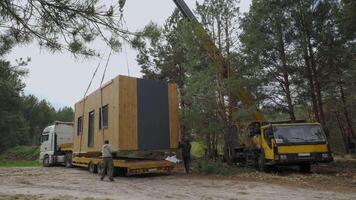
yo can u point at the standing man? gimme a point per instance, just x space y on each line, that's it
186 146
108 165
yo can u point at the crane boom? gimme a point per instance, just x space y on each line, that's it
221 63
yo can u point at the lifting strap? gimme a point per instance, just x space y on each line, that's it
83 111
101 97
124 25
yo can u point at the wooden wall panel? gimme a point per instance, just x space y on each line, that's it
93 103
127 113
174 125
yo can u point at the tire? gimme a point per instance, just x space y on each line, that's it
99 168
46 161
305 168
68 160
93 168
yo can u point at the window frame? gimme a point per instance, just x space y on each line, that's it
91 142
43 137
80 125
105 114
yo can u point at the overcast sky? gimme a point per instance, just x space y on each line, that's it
62 79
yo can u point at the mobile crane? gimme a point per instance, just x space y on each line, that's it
267 143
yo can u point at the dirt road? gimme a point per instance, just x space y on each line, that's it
64 183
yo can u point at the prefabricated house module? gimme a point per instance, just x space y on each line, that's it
132 113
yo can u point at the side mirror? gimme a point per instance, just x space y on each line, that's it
269 132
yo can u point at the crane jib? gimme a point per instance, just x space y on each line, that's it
216 56
185 10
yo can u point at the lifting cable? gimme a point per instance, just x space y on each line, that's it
83 111
101 97
124 24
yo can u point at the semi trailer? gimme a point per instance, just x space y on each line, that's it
57 149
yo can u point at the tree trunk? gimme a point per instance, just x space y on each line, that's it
208 150
317 86
342 131
310 77
283 58
350 131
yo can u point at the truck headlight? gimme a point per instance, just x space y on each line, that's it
325 155
283 157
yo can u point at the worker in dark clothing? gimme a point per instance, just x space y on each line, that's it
108 165
186 146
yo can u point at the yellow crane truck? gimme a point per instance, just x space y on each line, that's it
269 144
266 143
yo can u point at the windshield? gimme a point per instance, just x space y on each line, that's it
298 134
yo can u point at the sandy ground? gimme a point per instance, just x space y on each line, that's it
63 183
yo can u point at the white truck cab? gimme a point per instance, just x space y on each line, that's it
52 138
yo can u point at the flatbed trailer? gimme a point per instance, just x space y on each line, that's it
57 149
125 165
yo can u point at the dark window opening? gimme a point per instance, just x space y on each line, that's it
44 138
103 117
91 129
80 125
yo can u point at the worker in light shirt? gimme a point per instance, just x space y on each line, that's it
108 165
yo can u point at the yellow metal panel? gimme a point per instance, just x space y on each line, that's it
174 126
269 154
127 113
302 148
139 164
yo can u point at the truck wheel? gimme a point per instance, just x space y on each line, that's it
93 168
46 162
68 160
99 168
305 168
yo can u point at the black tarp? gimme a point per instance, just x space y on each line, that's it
152 115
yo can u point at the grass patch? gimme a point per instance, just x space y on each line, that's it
211 167
19 163
23 153
20 156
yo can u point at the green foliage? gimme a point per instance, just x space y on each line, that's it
65 114
23 118
61 25
197 149
13 127
21 153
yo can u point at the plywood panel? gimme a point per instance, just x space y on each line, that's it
104 96
127 113
174 125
